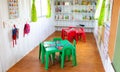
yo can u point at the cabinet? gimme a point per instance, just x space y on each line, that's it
74 13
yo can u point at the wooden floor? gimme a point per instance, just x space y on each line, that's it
88 59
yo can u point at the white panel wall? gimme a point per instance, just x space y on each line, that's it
39 31
1 40
102 50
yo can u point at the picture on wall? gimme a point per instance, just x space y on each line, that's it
13 9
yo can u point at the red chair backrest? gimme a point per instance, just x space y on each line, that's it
71 27
72 33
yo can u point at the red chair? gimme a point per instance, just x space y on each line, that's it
82 34
63 34
72 35
71 27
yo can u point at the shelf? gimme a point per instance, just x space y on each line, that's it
73 5
74 26
75 20
83 20
63 12
74 12
83 12
70 13
63 20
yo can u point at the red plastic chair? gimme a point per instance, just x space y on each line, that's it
72 35
82 34
71 27
63 34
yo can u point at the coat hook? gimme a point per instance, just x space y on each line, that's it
3 24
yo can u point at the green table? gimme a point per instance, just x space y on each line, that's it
51 47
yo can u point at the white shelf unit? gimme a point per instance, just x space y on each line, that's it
67 13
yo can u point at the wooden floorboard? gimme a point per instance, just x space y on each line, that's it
88 59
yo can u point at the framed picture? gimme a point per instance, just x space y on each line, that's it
13 9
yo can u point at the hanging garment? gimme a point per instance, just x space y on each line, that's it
26 29
15 35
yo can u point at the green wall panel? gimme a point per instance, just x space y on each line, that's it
116 58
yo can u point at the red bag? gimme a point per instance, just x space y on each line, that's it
26 29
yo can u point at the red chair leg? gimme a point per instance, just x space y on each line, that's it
84 37
76 38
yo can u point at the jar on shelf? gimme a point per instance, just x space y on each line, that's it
66 3
66 17
93 3
61 17
58 9
57 17
58 2
75 2
61 3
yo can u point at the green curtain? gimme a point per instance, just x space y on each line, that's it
102 15
48 9
33 12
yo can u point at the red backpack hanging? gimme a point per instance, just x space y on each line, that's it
15 35
26 29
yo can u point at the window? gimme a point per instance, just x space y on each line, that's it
44 7
98 10
41 7
38 7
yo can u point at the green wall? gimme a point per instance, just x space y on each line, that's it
116 58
